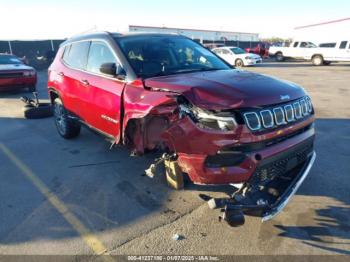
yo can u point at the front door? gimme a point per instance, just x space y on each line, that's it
104 91
343 53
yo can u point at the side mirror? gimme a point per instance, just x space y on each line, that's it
113 69
108 69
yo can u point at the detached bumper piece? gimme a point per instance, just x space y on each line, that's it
270 188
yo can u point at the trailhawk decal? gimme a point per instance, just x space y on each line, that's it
109 119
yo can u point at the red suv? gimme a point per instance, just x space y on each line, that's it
15 74
217 124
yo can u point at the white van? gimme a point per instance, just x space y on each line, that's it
324 54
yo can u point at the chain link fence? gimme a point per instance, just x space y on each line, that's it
38 53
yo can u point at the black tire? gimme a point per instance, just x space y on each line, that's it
32 89
279 57
67 128
239 63
42 111
317 60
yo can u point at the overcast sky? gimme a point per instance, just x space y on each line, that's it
45 19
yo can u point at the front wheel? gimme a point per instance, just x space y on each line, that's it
66 127
317 60
239 63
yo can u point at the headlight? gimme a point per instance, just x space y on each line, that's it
208 120
29 73
308 104
248 58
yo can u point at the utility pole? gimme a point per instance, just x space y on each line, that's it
10 47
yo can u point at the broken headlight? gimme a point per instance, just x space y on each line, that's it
209 120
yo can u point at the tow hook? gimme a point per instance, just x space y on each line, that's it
233 216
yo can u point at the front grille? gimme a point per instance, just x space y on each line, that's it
279 165
272 117
11 75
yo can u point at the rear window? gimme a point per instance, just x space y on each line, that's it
75 55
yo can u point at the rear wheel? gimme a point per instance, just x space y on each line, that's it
66 127
317 60
279 57
239 63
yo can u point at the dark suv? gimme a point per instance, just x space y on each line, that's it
216 124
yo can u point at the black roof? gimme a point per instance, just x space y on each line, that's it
108 35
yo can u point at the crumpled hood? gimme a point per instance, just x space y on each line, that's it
226 89
15 67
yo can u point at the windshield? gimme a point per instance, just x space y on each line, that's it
237 50
165 55
9 60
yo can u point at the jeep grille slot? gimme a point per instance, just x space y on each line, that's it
272 117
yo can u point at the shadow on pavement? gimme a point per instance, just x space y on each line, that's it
329 225
107 191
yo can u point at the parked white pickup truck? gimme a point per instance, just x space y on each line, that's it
310 52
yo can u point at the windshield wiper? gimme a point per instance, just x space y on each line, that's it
182 71
202 69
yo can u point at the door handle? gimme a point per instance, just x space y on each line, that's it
61 74
85 82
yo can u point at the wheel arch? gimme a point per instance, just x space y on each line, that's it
317 54
53 94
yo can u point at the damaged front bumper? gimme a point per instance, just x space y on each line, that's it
279 206
270 188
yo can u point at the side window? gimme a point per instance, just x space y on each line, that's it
303 44
225 52
99 54
296 44
343 44
329 45
217 51
75 55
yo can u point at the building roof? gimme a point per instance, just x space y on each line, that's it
190 29
323 23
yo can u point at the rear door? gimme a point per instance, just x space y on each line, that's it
74 62
103 92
